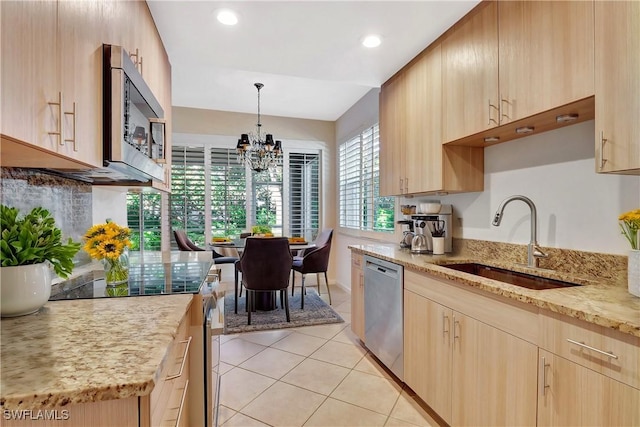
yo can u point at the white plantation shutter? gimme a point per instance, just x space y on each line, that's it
143 219
361 206
304 195
228 193
188 185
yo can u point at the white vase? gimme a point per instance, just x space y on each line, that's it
633 270
24 289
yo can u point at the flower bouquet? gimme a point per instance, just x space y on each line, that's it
630 224
109 242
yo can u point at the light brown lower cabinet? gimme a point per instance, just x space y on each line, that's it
357 295
469 372
571 394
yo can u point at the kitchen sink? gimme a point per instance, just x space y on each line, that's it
525 280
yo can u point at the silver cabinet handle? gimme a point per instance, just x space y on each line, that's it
588 347
406 184
491 119
184 359
542 374
58 133
73 140
401 182
603 140
184 395
455 323
502 115
445 324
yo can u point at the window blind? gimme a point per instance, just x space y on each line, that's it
228 193
361 206
304 189
188 184
144 220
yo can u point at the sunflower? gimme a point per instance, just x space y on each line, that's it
107 241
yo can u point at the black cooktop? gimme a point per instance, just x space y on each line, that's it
144 279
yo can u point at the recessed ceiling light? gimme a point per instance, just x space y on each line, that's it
492 139
371 41
227 17
525 129
564 118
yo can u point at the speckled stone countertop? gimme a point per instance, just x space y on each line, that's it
87 350
602 302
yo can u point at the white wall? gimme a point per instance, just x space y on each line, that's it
577 208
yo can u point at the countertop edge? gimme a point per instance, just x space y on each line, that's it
541 299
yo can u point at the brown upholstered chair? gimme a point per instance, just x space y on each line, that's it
185 244
265 266
314 260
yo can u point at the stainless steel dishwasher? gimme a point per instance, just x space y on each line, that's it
383 319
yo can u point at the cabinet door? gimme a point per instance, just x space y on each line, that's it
30 78
470 74
423 144
427 351
81 37
357 296
546 55
392 137
574 395
617 86
494 376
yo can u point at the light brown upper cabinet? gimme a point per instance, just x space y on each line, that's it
392 136
545 55
470 96
412 158
617 87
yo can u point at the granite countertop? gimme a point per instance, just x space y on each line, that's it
80 351
605 303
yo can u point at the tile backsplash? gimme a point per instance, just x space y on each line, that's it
69 201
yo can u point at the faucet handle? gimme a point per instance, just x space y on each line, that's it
538 253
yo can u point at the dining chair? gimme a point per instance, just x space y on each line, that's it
313 260
265 266
185 244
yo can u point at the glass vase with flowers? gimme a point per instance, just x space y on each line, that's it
109 243
630 226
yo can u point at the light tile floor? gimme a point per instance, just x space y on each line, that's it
311 376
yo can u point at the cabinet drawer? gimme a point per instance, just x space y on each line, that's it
604 350
174 376
510 316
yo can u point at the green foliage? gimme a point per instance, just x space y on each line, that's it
260 229
34 239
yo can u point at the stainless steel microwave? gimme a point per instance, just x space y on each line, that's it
134 128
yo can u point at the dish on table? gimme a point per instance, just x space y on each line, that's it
297 241
221 240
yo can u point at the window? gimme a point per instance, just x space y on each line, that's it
304 188
188 183
361 206
213 195
228 193
143 219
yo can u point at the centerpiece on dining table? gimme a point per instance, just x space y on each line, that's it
109 242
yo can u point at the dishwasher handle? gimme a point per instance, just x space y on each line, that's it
382 269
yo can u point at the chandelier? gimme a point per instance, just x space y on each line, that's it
260 154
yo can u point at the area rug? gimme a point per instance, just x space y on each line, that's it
316 312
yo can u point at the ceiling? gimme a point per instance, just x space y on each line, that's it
308 54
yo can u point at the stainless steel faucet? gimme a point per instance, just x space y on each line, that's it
534 253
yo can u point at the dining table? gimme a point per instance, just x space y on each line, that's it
265 301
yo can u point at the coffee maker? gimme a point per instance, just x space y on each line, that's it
427 224
407 233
